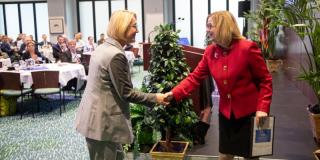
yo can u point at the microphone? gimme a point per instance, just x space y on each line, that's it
149 34
177 21
180 19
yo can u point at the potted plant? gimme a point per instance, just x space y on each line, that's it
267 20
167 68
301 17
145 132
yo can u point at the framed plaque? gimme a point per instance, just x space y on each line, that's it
56 25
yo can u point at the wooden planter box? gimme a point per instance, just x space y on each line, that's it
180 149
317 154
315 124
274 65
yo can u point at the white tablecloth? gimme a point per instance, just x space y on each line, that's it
67 71
5 62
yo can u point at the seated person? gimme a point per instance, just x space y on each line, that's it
60 47
72 54
102 39
32 53
5 46
44 41
3 55
90 46
23 47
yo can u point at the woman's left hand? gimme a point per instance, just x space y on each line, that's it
260 114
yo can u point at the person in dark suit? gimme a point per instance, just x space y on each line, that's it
59 48
44 41
243 80
23 47
5 46
103 116
102 39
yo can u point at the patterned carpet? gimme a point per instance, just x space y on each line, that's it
48 136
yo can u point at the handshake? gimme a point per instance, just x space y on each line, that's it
165 98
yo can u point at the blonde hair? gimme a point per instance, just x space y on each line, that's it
227 28
119 23
31 42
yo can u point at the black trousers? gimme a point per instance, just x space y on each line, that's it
234 135
104 150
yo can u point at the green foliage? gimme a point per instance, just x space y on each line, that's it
144 128
167 69
266 21
301 17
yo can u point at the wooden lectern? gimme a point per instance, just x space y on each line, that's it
146 55
201 96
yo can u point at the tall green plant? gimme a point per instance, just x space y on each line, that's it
302 18
167 68
266 21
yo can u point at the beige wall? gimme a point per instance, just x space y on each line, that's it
153 15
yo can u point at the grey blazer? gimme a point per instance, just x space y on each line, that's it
103 113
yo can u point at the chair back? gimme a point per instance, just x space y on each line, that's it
10 80
45 79
135 52
86 59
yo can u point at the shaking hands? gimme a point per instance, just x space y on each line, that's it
164 99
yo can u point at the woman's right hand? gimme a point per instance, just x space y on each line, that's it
161 99
168 96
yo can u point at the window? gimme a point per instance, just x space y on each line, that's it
233 8
2 29
22 17
27 19
182 18
102 17
218 5
42 20
86 22
117 4
135 6
200 13
12 19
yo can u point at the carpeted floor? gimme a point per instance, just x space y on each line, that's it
48 136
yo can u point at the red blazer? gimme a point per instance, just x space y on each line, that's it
241 75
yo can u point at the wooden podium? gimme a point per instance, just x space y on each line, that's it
201 96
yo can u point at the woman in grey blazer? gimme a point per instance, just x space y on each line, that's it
103 116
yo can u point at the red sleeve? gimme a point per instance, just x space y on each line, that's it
262 76
193 80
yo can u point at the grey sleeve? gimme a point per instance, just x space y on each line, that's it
121 79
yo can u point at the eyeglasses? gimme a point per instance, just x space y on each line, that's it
134 26
209 26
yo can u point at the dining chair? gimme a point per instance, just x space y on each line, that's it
85 62
47 83
11 86
137 58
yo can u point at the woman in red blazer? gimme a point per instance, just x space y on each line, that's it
244 83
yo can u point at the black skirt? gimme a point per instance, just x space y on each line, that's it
234 135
